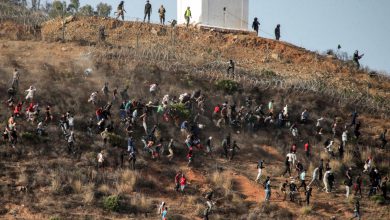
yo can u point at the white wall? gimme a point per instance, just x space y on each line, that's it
210 12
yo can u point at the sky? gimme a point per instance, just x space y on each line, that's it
317 25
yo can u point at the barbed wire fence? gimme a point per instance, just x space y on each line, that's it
177 61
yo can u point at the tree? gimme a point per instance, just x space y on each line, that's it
103 9
57 9
86 10
74 6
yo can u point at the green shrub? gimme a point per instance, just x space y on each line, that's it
378 199
30 137
115 140
228 86
111 203
306 210
180 110
55 218
268 73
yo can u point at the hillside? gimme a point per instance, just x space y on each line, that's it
60 185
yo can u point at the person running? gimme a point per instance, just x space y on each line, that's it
225 146
105 136
267 189
147 11
260 168
30 93
177 181
383 187
256 25
356 58
187 16
183 183
382 138
283 189
170 150
100 160
277 32
164 214
293 191
161 12
233 150
326 181
348 182
120 11
358 185
287 167
308 195
356 211
302 177
231 67
71 140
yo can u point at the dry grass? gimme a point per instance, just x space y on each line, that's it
365 153
89 194
324 155
336 165
128 181
141 202
105 189
23 179
306 210
77 186
348 158
55 185
222 179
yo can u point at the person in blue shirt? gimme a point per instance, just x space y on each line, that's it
164 214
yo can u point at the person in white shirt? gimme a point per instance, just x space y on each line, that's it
71 122
153 89
93 97
344 137
319 125
315 176
292 158
325 180
15 78
285 111
100 159
30 93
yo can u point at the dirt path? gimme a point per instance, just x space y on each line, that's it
250 189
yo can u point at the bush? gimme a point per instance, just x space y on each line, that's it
306 210
115 140
268 73
30 137
378 199
180 110
111 203
228 86
54 218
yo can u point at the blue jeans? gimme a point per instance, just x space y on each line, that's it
267 195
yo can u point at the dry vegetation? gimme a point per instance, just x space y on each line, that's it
70 187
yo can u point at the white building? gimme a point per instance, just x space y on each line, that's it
231 14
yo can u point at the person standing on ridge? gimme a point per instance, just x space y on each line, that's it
120 11
231 67
187 16
277 32
148 10
161 12
256 25
356 58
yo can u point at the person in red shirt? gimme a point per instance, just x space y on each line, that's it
177 181
307 149
293 148
189 156
217 109
183 183
99 114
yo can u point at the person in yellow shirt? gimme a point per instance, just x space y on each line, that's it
187 15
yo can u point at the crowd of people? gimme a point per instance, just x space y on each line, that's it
142 120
